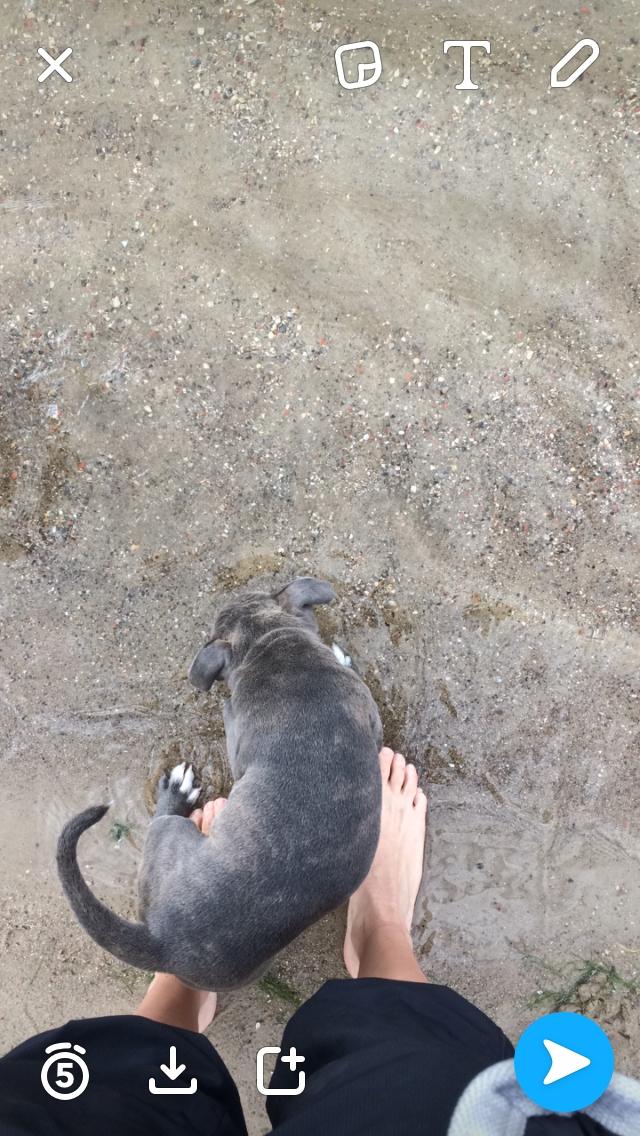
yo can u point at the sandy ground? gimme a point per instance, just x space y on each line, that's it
253 326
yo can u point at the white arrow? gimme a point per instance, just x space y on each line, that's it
564 1061
172 1070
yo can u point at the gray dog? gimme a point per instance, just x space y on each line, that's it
302 823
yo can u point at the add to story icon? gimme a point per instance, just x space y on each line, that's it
172 1071
369 71
292 1060
65 1075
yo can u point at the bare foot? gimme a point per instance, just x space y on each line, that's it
388 895
204 818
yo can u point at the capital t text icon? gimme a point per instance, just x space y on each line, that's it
369 71
467 83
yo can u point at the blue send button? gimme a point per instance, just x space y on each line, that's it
564 1062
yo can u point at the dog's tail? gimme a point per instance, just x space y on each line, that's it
130 942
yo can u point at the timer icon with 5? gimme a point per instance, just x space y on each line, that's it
64 1074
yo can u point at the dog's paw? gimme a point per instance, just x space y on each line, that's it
341 656
177 793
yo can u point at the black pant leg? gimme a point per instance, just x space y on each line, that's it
121 1054
382 1057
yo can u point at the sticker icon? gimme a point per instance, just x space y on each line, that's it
564 1062
59 1074
368 73
292 1061
172 1071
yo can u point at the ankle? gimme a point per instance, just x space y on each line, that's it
374 917
386 951
171 1002
374 913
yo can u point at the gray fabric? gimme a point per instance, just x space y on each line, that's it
495 1105
619 1108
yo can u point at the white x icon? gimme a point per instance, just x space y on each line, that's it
55 65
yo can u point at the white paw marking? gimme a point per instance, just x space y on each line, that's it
182 779
344 660
177 774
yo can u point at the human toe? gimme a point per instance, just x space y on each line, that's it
212 809
386 757
396 775
420 800
410 783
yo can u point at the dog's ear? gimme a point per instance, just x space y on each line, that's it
304 592
209 664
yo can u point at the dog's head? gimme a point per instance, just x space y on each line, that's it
245 619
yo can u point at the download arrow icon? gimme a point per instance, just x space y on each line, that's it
173 1071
